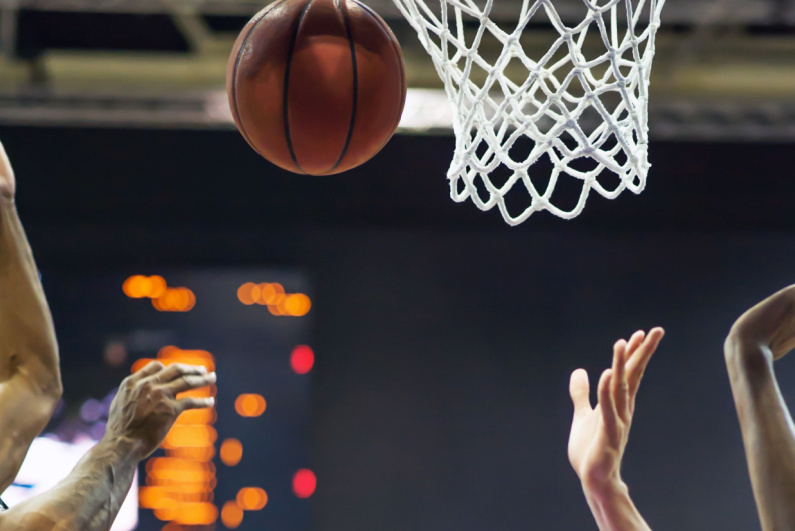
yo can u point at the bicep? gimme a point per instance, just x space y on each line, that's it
23 415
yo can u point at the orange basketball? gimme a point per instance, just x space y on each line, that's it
316 86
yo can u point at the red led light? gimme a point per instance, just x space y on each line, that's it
304 483
302 359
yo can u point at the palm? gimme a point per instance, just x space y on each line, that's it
589 443
599 434
7 181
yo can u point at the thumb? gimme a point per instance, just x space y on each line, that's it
579 389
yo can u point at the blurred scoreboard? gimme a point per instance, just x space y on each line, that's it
243 464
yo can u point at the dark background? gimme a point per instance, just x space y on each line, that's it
444 338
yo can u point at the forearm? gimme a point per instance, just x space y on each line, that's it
767 431
613 509
28 346
87 500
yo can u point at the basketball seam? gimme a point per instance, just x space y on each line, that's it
349 32
242 128
398 54
285 102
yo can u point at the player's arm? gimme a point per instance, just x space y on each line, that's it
143 411
760 336
30 381
599 435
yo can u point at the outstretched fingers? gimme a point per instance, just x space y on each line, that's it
618 382
636 364
176 378
150 369
634 342
608 407
189 382
190 402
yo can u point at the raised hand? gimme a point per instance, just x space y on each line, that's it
599 435
770 325
7 182
765 333
146 406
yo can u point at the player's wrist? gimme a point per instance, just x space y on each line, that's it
744 351
605 487
123 447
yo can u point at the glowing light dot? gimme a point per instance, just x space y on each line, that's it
231 452
245 293
271 293
250 405
231 515
252 498
175 300
157 287
302 359
304 483
132 287
297 305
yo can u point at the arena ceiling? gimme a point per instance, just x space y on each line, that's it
724 69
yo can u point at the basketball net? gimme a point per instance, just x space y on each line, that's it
579 109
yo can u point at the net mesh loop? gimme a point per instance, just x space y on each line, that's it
579 111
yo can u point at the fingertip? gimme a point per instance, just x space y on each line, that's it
577 374
578 382
604 387
605 378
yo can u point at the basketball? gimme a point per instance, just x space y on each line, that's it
316 86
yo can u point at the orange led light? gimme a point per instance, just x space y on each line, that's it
252 498
171 354
135 287
198 453
155 497
271 293
231 452
297 305
197 513
175 300
250 405
190 436
231 515
197 416
245 293
166 513
139 286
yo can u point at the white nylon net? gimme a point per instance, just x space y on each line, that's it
578 111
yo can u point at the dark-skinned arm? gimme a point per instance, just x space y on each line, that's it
760 336
30 381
